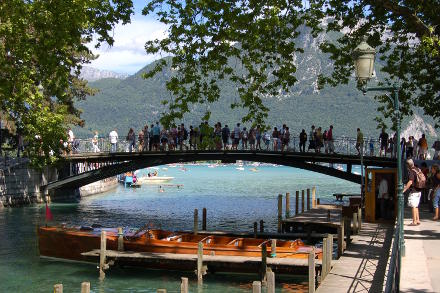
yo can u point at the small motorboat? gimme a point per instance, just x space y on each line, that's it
154 179
240 168
71 242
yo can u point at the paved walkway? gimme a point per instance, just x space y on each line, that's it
362 266
421 264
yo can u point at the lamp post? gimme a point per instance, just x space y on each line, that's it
364 56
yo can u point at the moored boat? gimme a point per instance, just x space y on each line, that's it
154 179
70 243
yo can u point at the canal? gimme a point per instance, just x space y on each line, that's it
234 199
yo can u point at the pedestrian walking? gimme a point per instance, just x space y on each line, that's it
95 143
359 141
113 137
330 141
302 141
225 136
131 139
312 135
416 182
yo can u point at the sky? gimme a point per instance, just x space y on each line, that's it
128 55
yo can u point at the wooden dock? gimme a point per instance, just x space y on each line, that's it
363 265
322 219
188 262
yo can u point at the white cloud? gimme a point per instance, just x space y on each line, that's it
128 55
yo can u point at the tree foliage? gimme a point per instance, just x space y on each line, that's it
208 39
42 50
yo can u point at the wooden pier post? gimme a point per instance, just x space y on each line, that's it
313 197
359 219
204 219
184 285
308 199
296 202
355 226
347 230
312 271
318 201
280 211
287 205
273 248
341 237
200 263
58 288
196 221
102 255
329 252
270 282
120 239
302 201
324 259
256 287
255 229
85 287
261 226
263 262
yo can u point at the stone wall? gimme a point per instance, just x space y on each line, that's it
20 184
98 187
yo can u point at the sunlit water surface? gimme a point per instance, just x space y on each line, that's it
234 200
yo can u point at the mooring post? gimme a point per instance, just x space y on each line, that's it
329 252
256 287
273 248
324 259
102 255
296 202
184 285
313 197
261 226
58 288
359 219
341 237
318 201
312 271
204 219
263 262
255 229
196 221
308 199
287 205
200 263
302 200
120 239
355 226
347 230
85 287
280 212
270 282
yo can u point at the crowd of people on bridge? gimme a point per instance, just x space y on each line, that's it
221 137
155 137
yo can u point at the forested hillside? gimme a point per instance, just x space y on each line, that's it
135 101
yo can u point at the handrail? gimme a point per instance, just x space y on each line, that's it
393 275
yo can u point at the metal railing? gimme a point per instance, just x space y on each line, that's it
342 145
393 275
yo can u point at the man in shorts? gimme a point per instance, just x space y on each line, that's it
414 192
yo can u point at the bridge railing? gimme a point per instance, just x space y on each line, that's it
342 145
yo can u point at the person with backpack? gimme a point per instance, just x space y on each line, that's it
416 182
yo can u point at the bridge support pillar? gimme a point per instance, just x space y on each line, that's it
65 195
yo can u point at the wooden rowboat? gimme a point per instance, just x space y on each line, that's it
70 243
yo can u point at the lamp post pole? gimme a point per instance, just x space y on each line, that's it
400 213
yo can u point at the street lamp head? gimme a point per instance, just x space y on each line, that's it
364 56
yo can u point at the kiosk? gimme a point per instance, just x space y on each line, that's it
380 194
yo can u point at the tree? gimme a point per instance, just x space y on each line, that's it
208 39
42 50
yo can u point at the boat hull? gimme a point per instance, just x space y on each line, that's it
71 243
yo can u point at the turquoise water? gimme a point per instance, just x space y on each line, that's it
234 200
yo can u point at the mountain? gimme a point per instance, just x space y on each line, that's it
93 74
134 101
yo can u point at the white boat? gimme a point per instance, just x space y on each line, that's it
240 168
153 179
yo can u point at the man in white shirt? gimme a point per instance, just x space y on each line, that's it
113 137
383 197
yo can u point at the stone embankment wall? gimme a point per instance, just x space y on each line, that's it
98 187
20 185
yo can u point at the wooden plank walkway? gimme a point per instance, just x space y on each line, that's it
218 263
323 215
363 265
